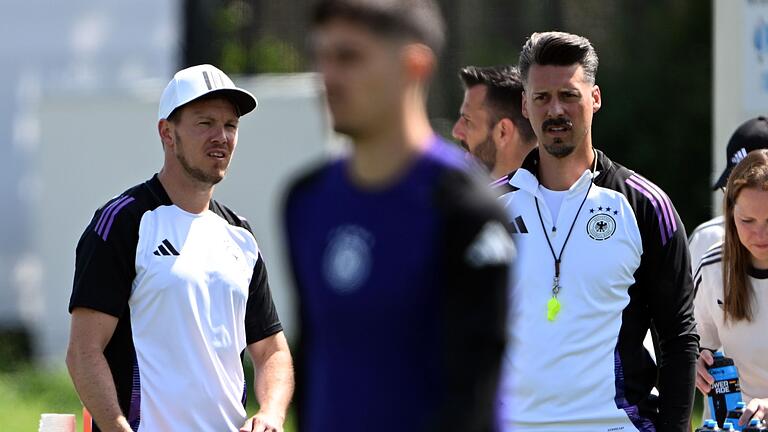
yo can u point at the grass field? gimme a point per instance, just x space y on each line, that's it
27 392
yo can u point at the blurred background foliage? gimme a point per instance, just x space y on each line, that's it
655 69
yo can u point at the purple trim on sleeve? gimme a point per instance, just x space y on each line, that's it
663 199
134 410
105 214
641 423
661 204
112 216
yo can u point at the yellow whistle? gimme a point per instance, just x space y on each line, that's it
553 308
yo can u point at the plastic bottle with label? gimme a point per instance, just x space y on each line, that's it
725 393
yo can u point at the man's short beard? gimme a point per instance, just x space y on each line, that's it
195 173
559 148
485 152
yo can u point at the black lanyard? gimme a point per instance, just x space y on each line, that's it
553 305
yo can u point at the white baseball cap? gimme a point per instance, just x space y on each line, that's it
197 81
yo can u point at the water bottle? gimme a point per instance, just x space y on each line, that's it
756 425
726 391
734 415
708 425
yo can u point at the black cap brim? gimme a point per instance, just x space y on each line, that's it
723 180
242 99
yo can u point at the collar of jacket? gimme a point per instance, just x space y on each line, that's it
526 178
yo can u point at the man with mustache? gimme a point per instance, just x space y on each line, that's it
602 257
491 125
171 288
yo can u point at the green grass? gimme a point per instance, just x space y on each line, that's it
697 409
27 392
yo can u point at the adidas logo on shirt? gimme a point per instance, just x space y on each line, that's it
166 248
517 226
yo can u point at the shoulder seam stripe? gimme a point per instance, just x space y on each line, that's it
717 256
697 282
106 212
631 182
667 229
116 210
663 199
705 263
712 252
711 260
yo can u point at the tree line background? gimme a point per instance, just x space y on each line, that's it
655 69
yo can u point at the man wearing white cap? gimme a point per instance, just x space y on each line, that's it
170 286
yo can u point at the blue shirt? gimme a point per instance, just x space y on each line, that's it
383 308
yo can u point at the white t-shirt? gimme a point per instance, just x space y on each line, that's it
190 292
704 237
553 200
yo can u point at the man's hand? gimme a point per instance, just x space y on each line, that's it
703 379
262 422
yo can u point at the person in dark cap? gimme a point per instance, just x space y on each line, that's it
751 135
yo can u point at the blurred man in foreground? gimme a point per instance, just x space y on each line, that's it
400 255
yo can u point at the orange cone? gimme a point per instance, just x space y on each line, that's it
87 423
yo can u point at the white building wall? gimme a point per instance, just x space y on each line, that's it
49 45
740 73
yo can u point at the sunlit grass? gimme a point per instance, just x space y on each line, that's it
27 392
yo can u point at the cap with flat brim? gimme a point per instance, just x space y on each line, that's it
751 135
723 180
203 80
